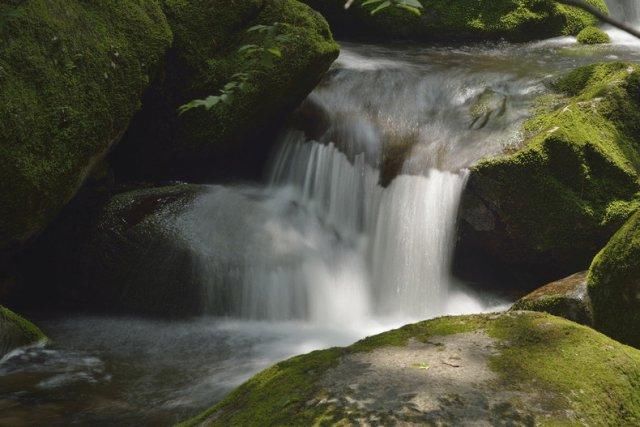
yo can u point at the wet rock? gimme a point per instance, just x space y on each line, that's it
566 298
487 104
16 332
126 256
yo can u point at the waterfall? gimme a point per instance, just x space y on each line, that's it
625 10
357 218
325 242
412 243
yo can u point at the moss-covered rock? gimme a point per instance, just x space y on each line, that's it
519 368
614 285
516 20
16 331
127 257
548 208
232 136
566 298
72 74
593 35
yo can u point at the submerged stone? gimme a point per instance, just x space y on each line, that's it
516 368
566 298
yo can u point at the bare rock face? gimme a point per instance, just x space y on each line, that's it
446 379
566 298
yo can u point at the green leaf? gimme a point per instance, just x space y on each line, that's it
275 52
258 28
411 3
411 9
382 6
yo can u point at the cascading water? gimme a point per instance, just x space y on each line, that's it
358 219
350 235
627 11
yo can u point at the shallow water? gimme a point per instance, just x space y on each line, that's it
331 271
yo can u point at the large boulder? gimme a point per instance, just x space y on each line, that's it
614 285
233 137
516 20
125 256
16 332
547 209
518 368
566 298
72 73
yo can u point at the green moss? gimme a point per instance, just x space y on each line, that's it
275 394
559 198
15 331
517 20
614 285
71 77
593 35
440 327
278 86
593 378
203 59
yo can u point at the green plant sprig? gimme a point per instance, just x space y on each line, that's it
257 56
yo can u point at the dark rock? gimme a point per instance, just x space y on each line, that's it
566 298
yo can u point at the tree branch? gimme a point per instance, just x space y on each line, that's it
581 4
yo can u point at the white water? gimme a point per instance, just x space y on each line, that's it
323 241
627 11
326 243
319 242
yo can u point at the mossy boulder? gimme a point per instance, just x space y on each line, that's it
516 20
72 74
128 256
16 332
518 368
593 35
545 210
566 298
614 285
235 136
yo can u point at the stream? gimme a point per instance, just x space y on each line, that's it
320 253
